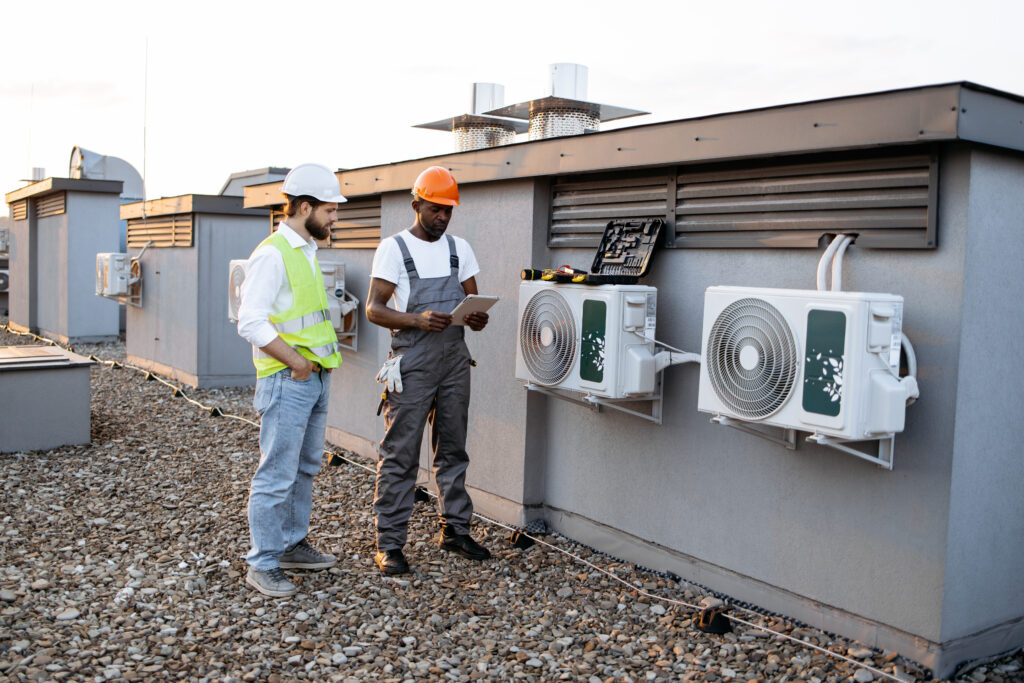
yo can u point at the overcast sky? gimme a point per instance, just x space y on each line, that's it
243 85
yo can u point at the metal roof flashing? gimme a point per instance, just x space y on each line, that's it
925 114
52 185
189 203
38 357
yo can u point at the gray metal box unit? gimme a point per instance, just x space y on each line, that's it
44 398
58 226
181 330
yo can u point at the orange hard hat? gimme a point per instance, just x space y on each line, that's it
437 185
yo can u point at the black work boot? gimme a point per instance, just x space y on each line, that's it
461 544
391 562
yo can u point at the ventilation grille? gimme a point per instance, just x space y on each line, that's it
752 359
19 210
547 337
888 199
162 231
558 122
358 224
50 205
479 136
581 208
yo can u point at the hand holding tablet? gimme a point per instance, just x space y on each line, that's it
473 303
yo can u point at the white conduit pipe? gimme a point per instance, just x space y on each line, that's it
837 264
826 258
908 349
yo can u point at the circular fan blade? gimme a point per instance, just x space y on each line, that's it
547 337
752 358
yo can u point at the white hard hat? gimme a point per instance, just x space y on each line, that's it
313 180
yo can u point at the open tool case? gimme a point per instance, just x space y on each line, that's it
623 257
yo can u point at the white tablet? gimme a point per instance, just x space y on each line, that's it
473 303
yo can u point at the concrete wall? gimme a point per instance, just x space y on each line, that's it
182 328
63 269
985 553
93 227
223 358
815 522
164 328
496 219
906 559
21 261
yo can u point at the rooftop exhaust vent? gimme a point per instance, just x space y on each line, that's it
89 165
564 109
477 130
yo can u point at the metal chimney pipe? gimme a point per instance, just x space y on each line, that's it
487 96
567 80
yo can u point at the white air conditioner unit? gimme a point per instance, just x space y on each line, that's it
596 340
236 275
5 240
5 280
816 361
113 272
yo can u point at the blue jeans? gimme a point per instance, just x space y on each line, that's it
294 418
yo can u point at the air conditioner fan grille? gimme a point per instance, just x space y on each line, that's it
752 358
547 337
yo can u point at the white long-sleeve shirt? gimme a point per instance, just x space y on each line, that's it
265 290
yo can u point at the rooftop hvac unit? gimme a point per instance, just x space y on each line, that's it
596 340
113 274
5 280
341 305
5 240
817 361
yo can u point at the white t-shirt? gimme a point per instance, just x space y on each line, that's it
431 259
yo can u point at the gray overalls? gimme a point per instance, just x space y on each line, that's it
435 386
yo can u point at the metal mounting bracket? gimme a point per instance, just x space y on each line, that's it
596 403
886 448
788 438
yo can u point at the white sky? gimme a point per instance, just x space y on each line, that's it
234 86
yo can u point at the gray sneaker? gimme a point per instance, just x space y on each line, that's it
271 582
303 556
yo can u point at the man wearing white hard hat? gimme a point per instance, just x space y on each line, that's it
284 315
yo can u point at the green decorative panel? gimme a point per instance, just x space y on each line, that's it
824 362
592 340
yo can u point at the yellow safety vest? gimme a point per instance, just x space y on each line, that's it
306 326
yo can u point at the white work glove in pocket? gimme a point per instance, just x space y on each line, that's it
391 374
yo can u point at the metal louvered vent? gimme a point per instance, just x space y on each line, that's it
752 358
482 136
561 121
547 337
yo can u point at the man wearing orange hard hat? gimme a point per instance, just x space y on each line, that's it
424 272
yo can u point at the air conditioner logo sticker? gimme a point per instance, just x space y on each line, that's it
592 341
824 361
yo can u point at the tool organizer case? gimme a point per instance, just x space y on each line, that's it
624 255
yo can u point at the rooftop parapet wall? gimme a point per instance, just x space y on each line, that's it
948 112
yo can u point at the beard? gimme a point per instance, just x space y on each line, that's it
318 230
